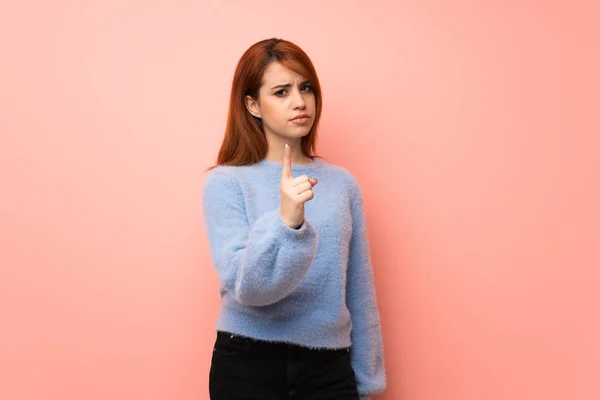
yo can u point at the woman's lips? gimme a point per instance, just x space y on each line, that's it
300 121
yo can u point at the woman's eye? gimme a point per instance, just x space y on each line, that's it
306 88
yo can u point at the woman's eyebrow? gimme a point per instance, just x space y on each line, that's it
287 85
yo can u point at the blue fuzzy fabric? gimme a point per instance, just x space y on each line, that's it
311 286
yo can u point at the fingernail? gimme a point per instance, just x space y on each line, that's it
287 145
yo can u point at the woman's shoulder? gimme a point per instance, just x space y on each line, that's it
220 178
217 173
236 178
341 173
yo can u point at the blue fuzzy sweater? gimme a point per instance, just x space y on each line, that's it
311 286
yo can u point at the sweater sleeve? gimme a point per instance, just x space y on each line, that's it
367 342
261 263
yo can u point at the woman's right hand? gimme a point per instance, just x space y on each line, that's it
294 192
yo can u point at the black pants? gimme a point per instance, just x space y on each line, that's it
249 369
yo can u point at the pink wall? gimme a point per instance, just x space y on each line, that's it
472 128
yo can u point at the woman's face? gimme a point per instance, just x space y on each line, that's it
283 96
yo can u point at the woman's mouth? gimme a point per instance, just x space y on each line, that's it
301 120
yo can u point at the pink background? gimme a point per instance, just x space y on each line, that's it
473 130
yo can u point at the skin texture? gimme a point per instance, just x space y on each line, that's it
294 192
276 106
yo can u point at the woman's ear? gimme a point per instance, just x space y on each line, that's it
252 106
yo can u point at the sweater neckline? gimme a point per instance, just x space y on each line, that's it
275 165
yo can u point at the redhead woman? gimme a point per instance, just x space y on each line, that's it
288 241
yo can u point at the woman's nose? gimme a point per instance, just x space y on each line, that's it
298 99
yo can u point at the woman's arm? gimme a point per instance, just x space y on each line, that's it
367 342
258 264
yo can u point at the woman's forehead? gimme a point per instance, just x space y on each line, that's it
277 74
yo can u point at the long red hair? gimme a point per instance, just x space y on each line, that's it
244 142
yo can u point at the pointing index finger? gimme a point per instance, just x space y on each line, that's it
286 172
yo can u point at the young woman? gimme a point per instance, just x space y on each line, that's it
287 234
